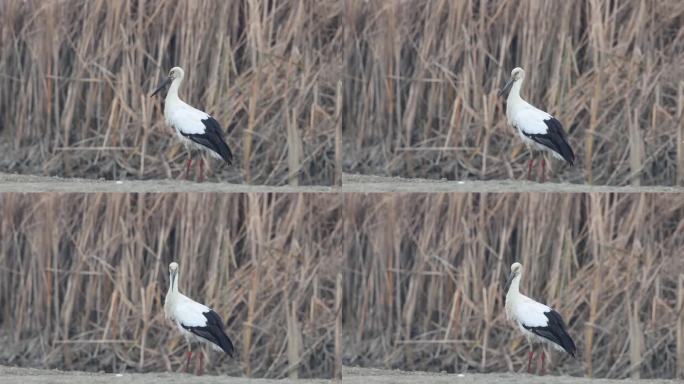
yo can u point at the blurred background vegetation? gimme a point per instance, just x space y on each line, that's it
83 280
424 280
422 77
75 79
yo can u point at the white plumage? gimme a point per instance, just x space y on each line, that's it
538 322
195 128
186 120
195 321
538 129
186 312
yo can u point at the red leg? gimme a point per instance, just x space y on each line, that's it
201 365
187 363
529 360
543 166
529 168
542 362
187 167
201 165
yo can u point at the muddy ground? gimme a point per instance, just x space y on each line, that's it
351 183
373 376
12 375
29 183
368 183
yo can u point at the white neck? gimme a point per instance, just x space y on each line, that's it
172 95
514 289
173 286
514 94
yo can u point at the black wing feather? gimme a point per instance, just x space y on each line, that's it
214 332
555 331
212 138
554 138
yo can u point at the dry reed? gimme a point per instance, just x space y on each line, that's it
424 280
75 78
83 279
422 76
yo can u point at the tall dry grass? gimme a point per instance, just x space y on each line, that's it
75 79
422 76
83 279
424 280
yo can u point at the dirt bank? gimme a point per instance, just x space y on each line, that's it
29 183
368 183
351 183
12 375
372 376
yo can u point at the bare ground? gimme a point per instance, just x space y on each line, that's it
369 183
11 375
372 376
351 183
30 183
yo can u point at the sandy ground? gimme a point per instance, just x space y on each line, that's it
12 375
29 183
368 183
351 183
372 376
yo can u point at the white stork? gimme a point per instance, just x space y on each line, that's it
195 128
538 322
196 321
539 130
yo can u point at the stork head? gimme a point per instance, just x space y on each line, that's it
177 73
174 73
516 74
516 270
173 272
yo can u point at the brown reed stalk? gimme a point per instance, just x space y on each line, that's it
84 279
337 373
680 328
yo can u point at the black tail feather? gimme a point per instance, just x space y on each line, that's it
212 138
555 331
555 140
213 332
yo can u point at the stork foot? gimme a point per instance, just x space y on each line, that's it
543 170
201 170
542 362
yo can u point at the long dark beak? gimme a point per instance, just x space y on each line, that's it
509 281
161 86
506 87
173 278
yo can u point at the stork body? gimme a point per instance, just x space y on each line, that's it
196 129
538 322
540 131
196 321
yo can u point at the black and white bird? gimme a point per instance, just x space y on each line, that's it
539 130
196 321
538 322
195 128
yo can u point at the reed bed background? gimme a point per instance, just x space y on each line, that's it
83 280
75 79
422 77
424 280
